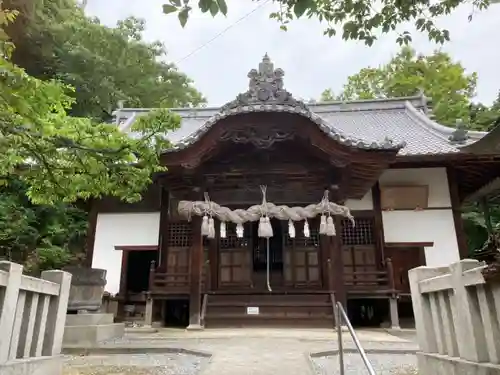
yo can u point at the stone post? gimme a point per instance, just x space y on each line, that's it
56 318
148 316
422 309
467 316
9 305
394 312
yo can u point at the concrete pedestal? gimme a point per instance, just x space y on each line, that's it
89 329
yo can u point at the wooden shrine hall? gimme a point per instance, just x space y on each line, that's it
401 176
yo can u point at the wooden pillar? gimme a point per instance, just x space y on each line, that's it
213 259
457 212
326 263
91 229
378 223
164 227
338 264
196 269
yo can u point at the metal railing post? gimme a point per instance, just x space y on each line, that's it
339 338
342 316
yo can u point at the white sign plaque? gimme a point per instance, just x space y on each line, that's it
252 311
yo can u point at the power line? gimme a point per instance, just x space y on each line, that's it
223 31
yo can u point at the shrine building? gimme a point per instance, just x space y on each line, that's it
403 177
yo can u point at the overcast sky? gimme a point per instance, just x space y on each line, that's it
312 62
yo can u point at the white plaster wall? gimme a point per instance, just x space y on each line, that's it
365 203
428 225
435 178
121 229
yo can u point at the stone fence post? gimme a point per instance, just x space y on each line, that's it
457 317
32 318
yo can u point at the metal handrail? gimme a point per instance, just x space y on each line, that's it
342 316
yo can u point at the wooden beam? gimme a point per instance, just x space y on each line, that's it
164 228
408 244
91 230
378 223
457 213
136 247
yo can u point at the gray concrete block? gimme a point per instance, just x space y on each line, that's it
89 335
88 319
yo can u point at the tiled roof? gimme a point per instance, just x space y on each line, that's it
400 123
400 120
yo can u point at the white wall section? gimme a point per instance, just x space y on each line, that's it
431 225
124 229
365 203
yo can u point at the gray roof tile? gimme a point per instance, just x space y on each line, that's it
400 123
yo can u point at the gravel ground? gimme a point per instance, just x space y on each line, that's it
135 364
383 364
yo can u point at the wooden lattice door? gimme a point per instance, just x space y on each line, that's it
301 266
359 252
180 241
235 258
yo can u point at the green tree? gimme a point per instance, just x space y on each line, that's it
49 159
442 79
105 64
357 20
61 157
42 237
484 117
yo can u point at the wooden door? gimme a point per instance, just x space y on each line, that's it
403 260
301 261
235 259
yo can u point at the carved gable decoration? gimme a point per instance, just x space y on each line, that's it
265 88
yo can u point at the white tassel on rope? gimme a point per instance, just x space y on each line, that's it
291 229
330 227
307 232
265 229
211 228
223 233
322 225
204 226
205 222
239 230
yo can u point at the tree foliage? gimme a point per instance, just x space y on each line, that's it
42 237
437 75
105 65
361 20
57 88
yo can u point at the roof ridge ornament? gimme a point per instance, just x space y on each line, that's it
266 86
460 135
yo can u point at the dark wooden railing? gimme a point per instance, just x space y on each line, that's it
174 282
378 281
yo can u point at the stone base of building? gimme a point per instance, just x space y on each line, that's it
89 329
432 364
33 366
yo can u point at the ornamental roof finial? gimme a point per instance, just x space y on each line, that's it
265 86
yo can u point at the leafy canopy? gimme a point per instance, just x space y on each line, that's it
71 158
357 20
64 158
56 40
437 75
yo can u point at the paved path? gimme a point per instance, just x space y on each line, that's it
263 351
